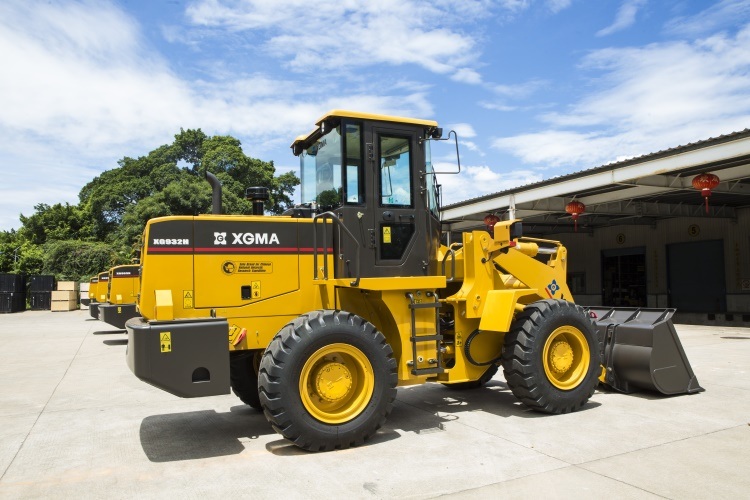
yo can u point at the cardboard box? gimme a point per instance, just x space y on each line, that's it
64 305
67 285
84 286
66 295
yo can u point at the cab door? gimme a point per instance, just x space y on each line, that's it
384 205
401 242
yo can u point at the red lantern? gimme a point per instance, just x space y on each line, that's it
575 208
705 182
490 220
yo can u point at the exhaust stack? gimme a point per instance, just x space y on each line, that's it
216 193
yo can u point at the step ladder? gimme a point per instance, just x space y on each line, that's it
416 339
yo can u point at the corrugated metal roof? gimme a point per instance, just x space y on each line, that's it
692 146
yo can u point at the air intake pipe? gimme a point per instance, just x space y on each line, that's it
258 195
216 193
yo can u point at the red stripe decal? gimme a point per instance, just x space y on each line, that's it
238 250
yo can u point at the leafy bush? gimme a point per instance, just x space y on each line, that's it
73 260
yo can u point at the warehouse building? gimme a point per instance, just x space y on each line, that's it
644 234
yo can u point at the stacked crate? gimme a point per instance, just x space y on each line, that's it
84 292
12 293
65 298
40 292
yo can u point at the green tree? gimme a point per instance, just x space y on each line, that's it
55 222
30 259
9 252
104 228
79 260
170 181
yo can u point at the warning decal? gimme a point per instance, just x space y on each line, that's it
255 267
187 299
386 234
255 287
165 341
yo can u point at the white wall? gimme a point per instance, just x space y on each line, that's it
584 254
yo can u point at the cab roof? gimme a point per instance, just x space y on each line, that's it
342 113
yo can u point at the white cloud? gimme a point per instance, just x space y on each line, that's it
651 98
345 34
625 17
467 75
515 5
80 87
717 17
471 146
519 90
479 180
497 106
510 95
557 5
464 130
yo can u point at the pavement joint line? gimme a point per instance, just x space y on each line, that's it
15 455
731 387
458 421
568 464
546 472
664 444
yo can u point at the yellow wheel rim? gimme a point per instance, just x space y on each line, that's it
566 357
336 383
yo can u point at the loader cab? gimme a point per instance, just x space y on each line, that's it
374 174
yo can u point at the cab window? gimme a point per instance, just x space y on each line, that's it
321 171
395 172
354 176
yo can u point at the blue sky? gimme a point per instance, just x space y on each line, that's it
534 88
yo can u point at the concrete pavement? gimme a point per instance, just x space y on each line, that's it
75 423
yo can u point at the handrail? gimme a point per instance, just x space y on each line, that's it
337 221
452 253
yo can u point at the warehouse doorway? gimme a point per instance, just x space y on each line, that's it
624 277
695 274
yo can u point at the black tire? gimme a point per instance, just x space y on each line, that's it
243 377
540 370
474 384
332 413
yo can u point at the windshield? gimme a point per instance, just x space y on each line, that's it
320 168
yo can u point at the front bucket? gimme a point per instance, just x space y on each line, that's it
641 350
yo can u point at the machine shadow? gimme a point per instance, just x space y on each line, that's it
109 332
420 409
115 342
193 435
440 404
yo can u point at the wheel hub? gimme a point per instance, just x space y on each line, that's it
560 356
333 381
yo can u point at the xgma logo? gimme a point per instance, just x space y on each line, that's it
247 238
254 239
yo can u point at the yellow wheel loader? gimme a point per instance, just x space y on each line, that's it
91 294
122 291
315 317
98 293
